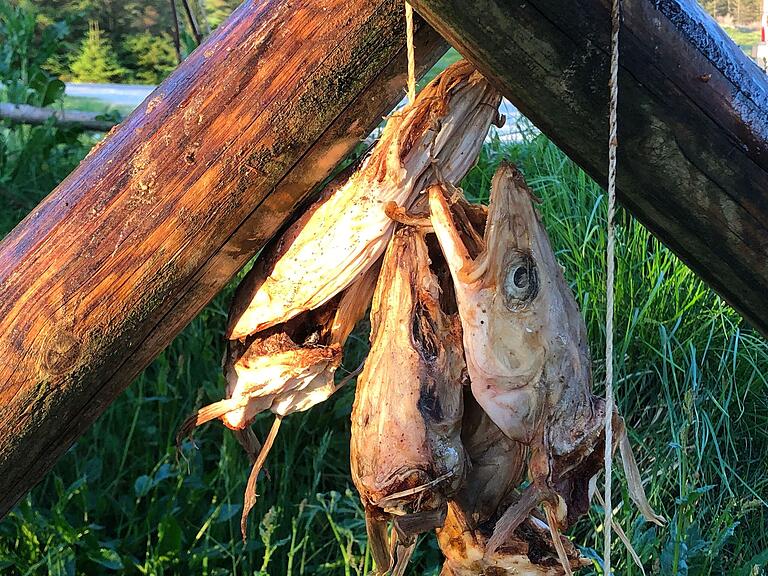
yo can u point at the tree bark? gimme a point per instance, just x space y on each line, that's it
693 118
25 114
101 276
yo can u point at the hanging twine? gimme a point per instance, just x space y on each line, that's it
613 145
411 54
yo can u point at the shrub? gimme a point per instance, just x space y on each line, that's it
33 159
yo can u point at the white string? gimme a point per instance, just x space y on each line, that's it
411 54
613 145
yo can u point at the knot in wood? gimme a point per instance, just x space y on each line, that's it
60 353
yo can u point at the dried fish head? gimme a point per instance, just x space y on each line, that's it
406 452
285 369
524 338
438 136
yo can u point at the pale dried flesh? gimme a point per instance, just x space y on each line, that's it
287 368
406 453
526 351
437 137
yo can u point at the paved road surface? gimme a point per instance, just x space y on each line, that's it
118 94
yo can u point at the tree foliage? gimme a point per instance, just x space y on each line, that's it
96 61
740 11
149 57
138 30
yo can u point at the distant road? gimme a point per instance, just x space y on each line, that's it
118 94
134 94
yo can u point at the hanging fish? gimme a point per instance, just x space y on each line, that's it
498 466
287 368
527 357
440 134
406 453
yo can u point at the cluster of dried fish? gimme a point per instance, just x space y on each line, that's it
478 377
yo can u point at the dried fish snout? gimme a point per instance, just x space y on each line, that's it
406 452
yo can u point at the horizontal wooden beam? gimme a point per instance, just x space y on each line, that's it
693 118
101 276
25 114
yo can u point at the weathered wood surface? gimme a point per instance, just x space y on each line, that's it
101 276
693 118
25 114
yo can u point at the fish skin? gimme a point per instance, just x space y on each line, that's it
406 452
438 136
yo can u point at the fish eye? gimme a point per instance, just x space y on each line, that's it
521 281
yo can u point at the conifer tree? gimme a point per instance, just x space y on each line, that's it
96 61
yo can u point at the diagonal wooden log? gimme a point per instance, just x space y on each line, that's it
100 277
693 118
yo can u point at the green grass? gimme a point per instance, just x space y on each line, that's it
691 383
744 37
450 57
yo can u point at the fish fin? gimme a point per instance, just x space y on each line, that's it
513 517
355 300
549 510
249 498
403 546
400 215
205 414
634 482
474 271
378 542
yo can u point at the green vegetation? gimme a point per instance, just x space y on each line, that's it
96 62
132 42
33 159
737 11
150 56
744 37
690 382
94 105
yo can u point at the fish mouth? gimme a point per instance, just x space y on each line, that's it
410 491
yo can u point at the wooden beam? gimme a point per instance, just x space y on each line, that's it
25 114
101 276
693 118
